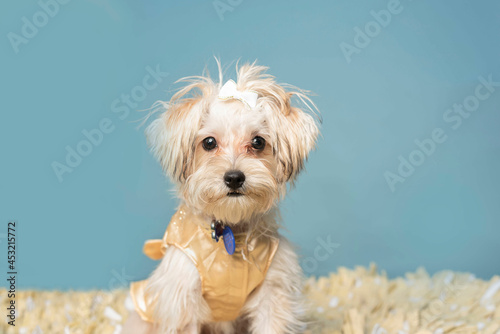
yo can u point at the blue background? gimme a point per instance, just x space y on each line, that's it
88 231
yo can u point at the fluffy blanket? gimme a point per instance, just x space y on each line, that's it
349 301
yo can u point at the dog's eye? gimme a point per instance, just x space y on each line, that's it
209 143
258 143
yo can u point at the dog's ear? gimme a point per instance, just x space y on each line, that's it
172 136
296 136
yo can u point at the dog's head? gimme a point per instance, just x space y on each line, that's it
232 159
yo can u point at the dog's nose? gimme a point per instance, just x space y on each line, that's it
234 179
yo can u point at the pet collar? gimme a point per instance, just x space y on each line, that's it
229 92
219 230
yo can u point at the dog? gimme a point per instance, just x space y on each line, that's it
232 149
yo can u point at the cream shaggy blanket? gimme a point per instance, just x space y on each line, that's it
350 302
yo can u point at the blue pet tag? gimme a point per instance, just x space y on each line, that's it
228 237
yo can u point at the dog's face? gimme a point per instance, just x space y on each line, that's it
234 172
230 161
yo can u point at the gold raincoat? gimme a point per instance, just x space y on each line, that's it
226 280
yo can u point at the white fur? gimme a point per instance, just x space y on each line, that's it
193 114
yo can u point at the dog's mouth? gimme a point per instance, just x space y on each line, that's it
234 194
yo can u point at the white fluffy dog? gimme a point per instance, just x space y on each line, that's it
231 149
